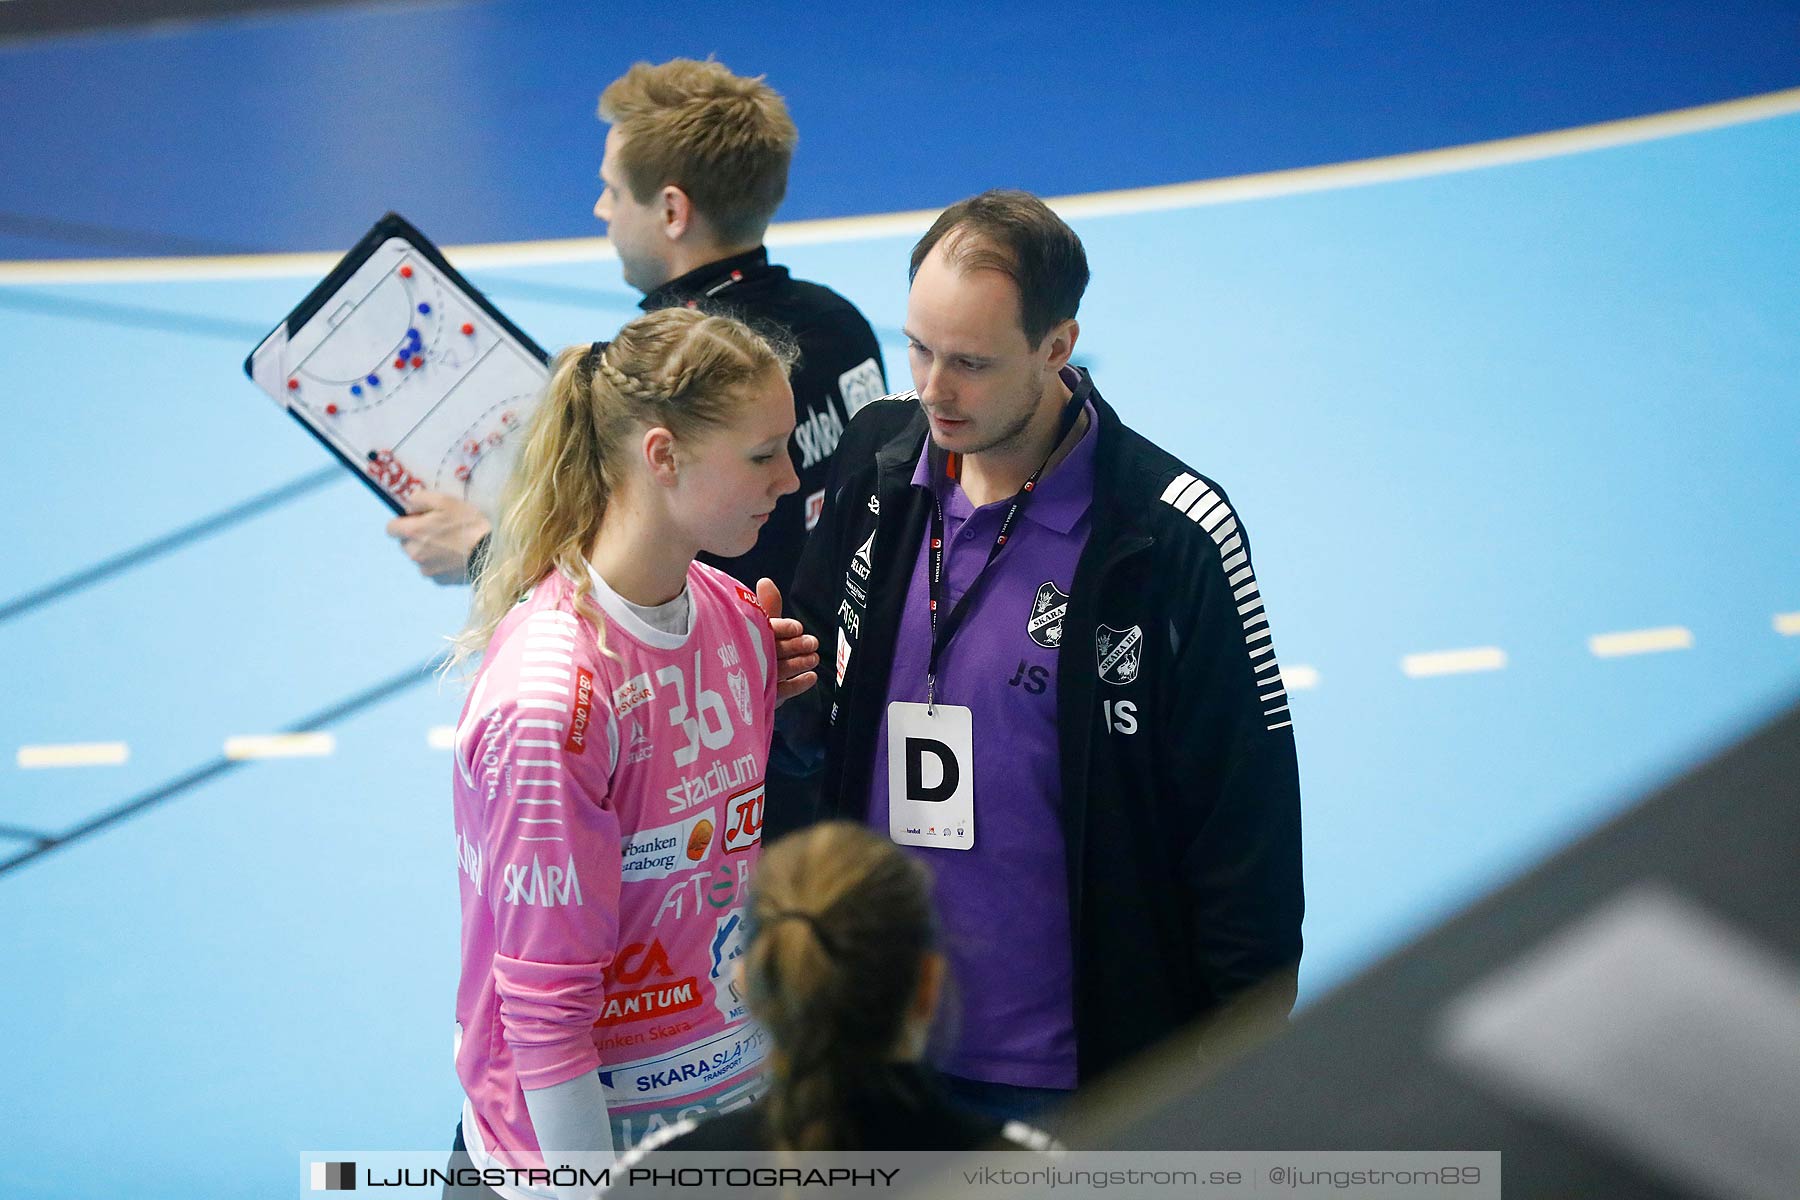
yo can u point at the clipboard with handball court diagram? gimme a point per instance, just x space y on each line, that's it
405 372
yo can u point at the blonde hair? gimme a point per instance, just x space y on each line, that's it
839 924
677 368
724 139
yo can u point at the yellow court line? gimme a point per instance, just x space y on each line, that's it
1640 641
1788 624
1360 173
441 737
1299 679
74 754
1453 662
279 745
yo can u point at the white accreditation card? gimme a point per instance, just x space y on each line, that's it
931 776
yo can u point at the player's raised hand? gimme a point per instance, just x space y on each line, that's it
439 532
796 651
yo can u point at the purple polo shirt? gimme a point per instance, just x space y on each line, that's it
1004 906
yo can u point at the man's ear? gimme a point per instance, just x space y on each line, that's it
677 211
1062 343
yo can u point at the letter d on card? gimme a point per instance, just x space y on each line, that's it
931 776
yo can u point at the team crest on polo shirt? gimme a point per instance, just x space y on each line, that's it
1045 624
1118 652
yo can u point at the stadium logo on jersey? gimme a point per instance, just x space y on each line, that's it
659 853
861 385
815 508
1046 622
740 694
1118 651
719 778
818 435
864 562
727 948
540 886
633 692
584 711
744 819
723 887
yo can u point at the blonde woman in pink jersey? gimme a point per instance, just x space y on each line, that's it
610 756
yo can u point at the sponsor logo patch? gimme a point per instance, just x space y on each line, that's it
1117 652
864 561
843 663
749 597
860 385
744 819
739 683
815 508
659 853
576 742
1045 625
727 948
723 887
633 692
691 1069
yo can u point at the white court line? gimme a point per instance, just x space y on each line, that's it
74 754
441 737
1387 169
1299 679
1788 624
1454 662
279 745
1640 641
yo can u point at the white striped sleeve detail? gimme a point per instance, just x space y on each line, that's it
1224 531
1176 487
1193 496
1235 561
1231 546
1252 638
1211 521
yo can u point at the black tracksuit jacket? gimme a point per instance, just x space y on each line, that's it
1180 790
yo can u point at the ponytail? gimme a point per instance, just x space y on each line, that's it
839 926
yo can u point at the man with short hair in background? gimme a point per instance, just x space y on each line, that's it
695 165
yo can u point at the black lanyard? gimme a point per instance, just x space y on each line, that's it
942 633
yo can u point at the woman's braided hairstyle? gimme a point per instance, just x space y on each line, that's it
679 368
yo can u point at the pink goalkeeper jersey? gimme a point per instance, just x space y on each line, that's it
608 811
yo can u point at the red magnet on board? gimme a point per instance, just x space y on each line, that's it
406 272
331 410
462 472
418 360
293 385
399 363
468 329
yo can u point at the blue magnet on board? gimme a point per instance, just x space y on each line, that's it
424 309
374 381
356 389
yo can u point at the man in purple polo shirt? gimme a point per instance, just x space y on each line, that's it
1047 668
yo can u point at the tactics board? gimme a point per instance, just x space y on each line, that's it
405 372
